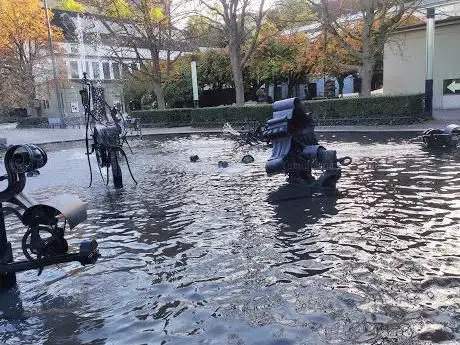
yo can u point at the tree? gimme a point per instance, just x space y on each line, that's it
332 59
23 44
144 28
214 69
201 31
282 58
240 24
362 27
290 14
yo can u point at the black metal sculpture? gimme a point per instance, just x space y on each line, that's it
108 134
43 243
445 138
295 148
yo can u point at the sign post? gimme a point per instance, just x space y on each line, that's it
195 83
429 61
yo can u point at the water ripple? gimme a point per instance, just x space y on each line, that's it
201 255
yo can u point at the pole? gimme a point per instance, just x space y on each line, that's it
195 84
430 28
7 280
53 64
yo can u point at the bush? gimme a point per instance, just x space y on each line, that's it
379 110
164 118
31 122
260 113
209 117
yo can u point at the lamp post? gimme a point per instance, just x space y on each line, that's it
194 83
430 12
53 64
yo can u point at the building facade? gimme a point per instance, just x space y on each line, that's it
404 65
85 50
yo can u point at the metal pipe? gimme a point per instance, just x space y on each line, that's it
195 84
430 32
53 64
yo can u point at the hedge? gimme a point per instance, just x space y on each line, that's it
31 122
378 110
378 107
165 118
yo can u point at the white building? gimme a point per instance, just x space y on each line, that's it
82 51
404 64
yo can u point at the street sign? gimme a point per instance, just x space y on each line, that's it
451 87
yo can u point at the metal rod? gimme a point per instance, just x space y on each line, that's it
430 32
53 64
7 278
20 266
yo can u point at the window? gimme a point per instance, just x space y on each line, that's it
116 70
74 49
96 72
74 74
86 68
125 71
106 70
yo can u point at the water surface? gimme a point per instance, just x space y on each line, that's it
200 255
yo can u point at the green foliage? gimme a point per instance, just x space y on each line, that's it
368 110
157 14
291 14
178 94
214 69
71 5
119 9
178 91
201 30
209 117
138 87
164 118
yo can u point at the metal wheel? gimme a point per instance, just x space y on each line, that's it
36 247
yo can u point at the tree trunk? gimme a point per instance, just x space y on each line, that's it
237 72
367 67
341 82
367 71
158 90
290 89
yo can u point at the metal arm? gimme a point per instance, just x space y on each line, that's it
43 243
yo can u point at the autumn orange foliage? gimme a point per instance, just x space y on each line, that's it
23 42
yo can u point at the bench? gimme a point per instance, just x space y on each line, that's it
133 124
55 121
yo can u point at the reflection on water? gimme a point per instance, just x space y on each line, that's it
201 255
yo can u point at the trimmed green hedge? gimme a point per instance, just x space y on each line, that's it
32 122
164 118
378 110
378 107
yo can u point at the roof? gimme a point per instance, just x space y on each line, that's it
100 29
436 3
422 26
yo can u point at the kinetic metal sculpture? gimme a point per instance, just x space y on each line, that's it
446 138
43 243
296 150
108 135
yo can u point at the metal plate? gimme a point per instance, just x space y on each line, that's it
73 209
